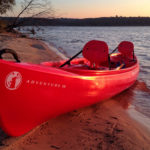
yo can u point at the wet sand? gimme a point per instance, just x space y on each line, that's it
103 126
28 49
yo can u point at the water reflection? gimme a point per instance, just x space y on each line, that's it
126 97
137 95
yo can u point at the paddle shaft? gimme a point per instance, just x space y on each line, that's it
68 62
113 50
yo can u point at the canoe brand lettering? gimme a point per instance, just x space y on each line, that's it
13 80
48 84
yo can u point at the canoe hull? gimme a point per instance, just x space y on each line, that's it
32 94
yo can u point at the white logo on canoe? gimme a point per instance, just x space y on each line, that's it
13 80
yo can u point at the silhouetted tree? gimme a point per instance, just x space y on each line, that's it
32 9
6 5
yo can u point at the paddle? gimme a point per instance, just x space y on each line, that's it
68 61
113 50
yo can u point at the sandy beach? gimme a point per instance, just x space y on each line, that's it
28 49
103 126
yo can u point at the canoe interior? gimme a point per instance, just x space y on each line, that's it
82 65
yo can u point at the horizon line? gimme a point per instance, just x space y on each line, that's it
117 16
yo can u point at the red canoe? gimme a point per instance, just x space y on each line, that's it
32 94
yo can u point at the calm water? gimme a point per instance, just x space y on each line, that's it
71 39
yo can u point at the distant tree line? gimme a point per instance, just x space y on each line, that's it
103 21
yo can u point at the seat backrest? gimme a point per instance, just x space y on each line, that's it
96 52
126 48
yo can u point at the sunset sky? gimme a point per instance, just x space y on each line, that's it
101 8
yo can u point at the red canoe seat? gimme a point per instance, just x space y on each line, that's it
96 52
126 48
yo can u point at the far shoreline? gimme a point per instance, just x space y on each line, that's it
99 21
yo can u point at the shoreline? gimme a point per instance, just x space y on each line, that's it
55 50
139 117
105 125
30 50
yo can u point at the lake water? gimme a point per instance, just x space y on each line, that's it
70 40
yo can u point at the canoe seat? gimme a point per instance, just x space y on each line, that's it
126 48
96 52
